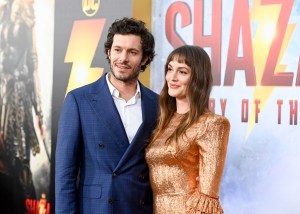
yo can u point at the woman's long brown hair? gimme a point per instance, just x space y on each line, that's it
198 90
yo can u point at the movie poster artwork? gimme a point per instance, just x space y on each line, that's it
26 43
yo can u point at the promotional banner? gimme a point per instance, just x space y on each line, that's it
255 53
26 58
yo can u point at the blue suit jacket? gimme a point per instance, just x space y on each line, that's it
97 170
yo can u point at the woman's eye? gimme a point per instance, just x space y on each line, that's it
169 69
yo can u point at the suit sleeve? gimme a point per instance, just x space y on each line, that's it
67 157
212 150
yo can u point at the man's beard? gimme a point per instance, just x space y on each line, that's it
132 77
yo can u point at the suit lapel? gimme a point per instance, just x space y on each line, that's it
149 117
104 106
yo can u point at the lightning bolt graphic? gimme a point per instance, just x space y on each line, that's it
266 17
82 46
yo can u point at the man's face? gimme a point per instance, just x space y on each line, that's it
126 57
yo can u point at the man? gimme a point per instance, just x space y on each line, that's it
103 131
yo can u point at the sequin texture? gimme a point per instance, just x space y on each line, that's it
175 166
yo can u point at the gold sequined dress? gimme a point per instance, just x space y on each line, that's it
175 166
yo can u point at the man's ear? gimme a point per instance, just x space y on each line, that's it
144 60
108 53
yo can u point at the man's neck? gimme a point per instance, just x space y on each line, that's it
126 89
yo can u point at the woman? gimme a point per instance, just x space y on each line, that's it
186 154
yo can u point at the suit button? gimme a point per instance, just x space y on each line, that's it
110 201
101 146
114 174
141 177
142 202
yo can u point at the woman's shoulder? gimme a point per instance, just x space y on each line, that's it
212 126
211 119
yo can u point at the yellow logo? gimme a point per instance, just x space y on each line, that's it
90 7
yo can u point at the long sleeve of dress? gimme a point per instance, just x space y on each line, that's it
212 144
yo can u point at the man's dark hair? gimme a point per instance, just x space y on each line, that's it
132 26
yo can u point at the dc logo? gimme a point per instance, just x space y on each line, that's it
90 7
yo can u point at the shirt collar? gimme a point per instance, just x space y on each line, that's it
115 92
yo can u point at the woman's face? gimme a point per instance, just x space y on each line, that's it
178 77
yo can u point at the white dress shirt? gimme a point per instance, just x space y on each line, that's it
130 111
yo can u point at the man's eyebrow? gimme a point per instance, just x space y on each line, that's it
130 49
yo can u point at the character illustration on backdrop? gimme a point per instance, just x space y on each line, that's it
20 99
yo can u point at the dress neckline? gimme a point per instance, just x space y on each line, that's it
176 113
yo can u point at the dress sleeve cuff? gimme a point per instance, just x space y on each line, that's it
199 203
